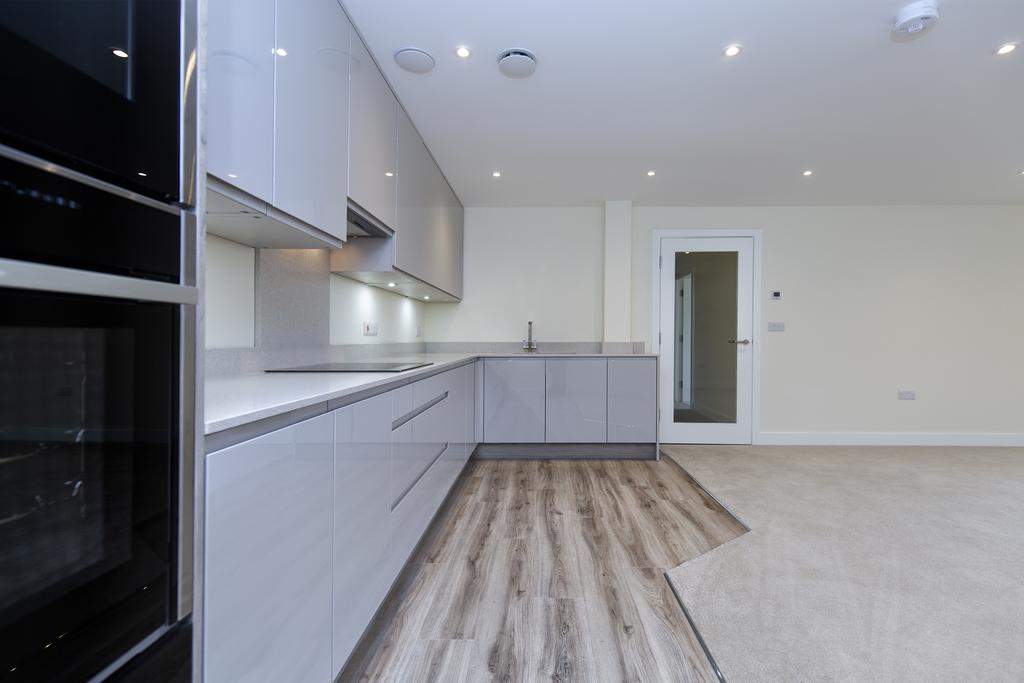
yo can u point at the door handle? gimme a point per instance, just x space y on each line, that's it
739 341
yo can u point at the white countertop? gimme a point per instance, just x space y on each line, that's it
235 401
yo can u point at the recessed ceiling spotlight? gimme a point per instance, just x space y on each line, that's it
389 174
414 60
118 52
463 52
280 52
391 284
732 50
232 175
1006 48
496 174
650 173
142 174
427 297
808 172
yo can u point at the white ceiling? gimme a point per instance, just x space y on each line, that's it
624 87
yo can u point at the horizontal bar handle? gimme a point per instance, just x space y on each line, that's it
418 411
70 174
44 278
411 486
739 341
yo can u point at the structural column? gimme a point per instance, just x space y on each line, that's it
618 229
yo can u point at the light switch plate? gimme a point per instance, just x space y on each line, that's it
776 327
906 395
419 330
369 329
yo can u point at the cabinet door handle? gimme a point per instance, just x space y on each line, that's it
739 341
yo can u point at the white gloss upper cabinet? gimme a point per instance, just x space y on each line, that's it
311 116
514 400
449 263
576 400
373 138
415 245
240 94
632 400
268 559
362 519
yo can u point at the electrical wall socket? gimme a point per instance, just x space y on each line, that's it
419 330
369 329
906 395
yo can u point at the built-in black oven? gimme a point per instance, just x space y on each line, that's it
94 85
88 476
96 389
98 317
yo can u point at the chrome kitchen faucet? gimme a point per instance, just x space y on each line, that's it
528 343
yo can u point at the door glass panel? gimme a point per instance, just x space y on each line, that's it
704 386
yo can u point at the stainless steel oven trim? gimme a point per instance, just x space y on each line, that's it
37 276
189 113
96 183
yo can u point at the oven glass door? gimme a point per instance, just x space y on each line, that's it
88 429
94 85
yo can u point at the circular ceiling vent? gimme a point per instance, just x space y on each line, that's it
414 59
917 17
517 63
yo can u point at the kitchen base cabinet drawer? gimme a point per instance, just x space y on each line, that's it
412 514
268 558
576 401
514 400
632 400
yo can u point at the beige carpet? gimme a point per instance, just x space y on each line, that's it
863 564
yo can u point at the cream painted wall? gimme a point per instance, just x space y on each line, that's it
230 294
876 299
539 264
398 318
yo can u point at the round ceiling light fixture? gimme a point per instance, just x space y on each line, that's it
1006 48
517 63
915 18
414 60
732 50
463 52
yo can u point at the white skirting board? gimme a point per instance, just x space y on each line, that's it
886 439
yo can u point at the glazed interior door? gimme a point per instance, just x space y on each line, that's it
706 332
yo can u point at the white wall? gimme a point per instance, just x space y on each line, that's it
230 294
539 264
352 303
876 299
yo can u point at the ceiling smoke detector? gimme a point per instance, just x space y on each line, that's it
916 18
517 63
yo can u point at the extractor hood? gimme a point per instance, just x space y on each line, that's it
371 260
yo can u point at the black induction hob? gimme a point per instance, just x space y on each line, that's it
354 367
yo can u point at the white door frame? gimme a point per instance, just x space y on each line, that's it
659 234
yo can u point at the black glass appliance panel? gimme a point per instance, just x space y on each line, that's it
88 439
50 219
94 85
368 366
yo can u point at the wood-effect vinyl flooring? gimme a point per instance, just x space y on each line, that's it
550 570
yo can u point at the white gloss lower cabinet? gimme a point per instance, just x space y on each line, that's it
632 400
268 558
576 402
514 400
362 519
